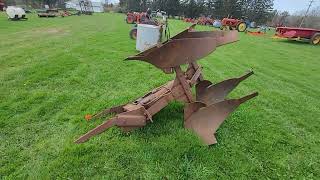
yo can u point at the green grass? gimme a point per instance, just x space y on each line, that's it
54 71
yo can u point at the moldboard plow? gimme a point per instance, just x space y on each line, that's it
204 113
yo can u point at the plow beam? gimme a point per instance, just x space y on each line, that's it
130 119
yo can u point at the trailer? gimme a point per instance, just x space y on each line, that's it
299 34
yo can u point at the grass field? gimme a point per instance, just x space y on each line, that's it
54 71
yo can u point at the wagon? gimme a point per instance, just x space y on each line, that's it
301 34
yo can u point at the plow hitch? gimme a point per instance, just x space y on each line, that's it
204 112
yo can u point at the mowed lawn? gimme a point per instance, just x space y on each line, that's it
54 71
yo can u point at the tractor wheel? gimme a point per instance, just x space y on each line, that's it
315 39
241 27
130 19
224 28
133 33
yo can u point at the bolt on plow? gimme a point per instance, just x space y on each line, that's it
204 112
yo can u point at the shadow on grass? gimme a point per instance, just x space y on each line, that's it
300 43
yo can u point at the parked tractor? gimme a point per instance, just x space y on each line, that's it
232 24
147 18
135 17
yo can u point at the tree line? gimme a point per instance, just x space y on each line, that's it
259 11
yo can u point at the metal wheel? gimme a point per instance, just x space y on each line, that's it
130 19
315 39
133 33
241 27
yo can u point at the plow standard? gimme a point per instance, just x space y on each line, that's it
204 113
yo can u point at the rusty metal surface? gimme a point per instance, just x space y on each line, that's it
205 121
178 52
184 48
204 113
215 93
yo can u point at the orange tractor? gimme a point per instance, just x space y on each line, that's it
233 24
135 17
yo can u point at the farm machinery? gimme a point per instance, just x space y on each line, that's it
1 5
190 20
48 13
300 34
204 112
233 24
86 7
150 20
135 17
205 21
16 13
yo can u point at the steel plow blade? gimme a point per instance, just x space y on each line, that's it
177 52
186 47
213 93
222 37
205 120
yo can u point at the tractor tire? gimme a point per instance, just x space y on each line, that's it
224 28
133 33
241 27
315 40
130 19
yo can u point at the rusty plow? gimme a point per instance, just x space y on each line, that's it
204 112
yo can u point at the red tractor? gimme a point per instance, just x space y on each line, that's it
135 17
231 24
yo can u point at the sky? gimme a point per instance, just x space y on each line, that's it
293 5
284 5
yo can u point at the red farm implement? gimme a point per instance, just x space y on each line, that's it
205 21
1 5
300 34
233 24
190 20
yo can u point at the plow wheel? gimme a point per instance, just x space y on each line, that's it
315 39
133 33
130 19
241 27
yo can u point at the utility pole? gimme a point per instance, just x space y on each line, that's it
310 4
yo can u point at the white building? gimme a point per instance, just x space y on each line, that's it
97 5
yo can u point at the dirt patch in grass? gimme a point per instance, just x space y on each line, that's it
34 34
51 31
